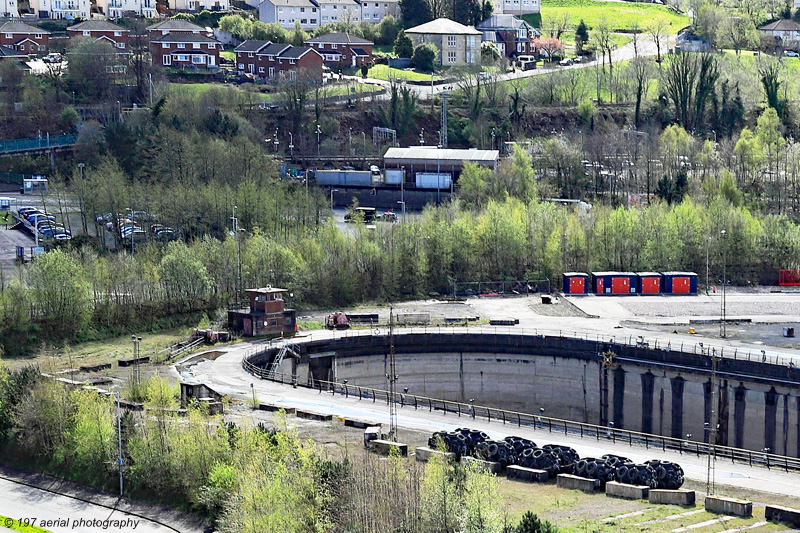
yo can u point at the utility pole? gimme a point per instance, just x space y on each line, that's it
712 428
392 377
235 233
119 441
443 130
723 330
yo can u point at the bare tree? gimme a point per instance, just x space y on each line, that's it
640 70
439 8
657 30
562 24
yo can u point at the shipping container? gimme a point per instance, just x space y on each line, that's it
614 282
335 178
649 282
679 282
394 177
789 278
576 283
433 181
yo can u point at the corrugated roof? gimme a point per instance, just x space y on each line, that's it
338 38
443 26
570 274
613 274
96 25
679 273
14 26
442 154
648 274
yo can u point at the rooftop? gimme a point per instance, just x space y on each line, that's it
175 25
96 25
442 154
14 26
444 27
503 22
5 51
267 290
338 38
183 38
251 46
781 25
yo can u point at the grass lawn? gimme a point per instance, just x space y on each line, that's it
332 90
228 53
383 48
621 15
384 72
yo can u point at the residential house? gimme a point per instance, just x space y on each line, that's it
9 9
375 12
268 60
185 50
512 36
342 48
785 32
287 13
101 30
690 42
10 53
457 44
24 37
333 11
61 9
198 5
174 26
120 8
518 7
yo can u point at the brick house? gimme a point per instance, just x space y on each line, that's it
185 50
268 60
24 37
335 47
174 26
101 30
512 36
10 53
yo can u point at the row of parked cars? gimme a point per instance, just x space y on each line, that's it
44 223
130 226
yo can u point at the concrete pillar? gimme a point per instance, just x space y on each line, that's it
676 408
619 398
648 386
739 407
770 418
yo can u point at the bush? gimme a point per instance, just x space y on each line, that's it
424 56
403 46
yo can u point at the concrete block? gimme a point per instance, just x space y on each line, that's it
729 506
313 416
629 492
568 481
786 515
385 446
531 475
489 466
672 497
360 424
275 408
423 454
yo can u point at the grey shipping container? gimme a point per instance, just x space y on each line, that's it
433 181
394 177
361 178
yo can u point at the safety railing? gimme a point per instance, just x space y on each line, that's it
536 422
35 143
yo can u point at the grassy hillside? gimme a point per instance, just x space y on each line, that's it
621 15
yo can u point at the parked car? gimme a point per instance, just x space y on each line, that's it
566 62
790 53
52 58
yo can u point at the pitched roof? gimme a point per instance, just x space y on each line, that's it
96 25
293 3
5 51
338 38
294 52
273 49
781 25
444 27
360 52
183 38
14 26
502 22
174 25
251 46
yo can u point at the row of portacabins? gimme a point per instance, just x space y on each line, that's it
616 283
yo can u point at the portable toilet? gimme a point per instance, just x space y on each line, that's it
614 283
649 282
576 283
680 282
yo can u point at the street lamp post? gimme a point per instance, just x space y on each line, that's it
275 140
438 170
235 224
723 328
350 141
708 243
291 145
402 190
318 132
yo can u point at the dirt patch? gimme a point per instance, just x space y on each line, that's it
559 307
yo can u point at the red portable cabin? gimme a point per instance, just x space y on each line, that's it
787 278
614 282
576 283
649 282
680 282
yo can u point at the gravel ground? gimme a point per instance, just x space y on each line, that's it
736 305
559 307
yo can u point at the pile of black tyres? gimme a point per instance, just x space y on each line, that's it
557 459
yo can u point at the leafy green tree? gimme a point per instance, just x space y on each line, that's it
415 12
440 497
473 184
581 36
403 47
401 111
481 511
530 523
61 291
92 436
183 277
424 57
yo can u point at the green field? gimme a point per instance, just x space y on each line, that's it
335 90
228 53
621 15
384 72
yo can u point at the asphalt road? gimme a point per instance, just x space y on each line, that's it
63 514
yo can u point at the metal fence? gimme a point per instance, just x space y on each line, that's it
501 288
36 143
546 424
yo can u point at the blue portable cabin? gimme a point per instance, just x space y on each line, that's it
679 282
649 282
576 283
614 283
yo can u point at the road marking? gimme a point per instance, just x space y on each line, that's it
751 526
628 515
672 517
704 524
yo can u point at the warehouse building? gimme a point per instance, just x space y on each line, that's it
430 167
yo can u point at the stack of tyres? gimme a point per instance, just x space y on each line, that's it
567 457
498 451
592 468
539 459
633 474
668 475
474 437
520 444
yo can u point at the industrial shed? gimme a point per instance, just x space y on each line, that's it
649 282
614 282
576 283
680 282
430 161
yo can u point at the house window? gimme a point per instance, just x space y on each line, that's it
271 72
520 47
324 19
333 46
451 41
85 33
292 61
261 70
241 66
471 41
366 16
302 10
335 7
167 59
182 58
313 21
38 35
313 9
196 46
164 45
375 16
117 34
280 10
212 46
292 75
470 57
120 45
9 36
451 57
249 54
303 21
198 60
292 10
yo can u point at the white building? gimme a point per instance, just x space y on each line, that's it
61 9
8 9
198 5
374 12
519 7
333 11
289 12
119 8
